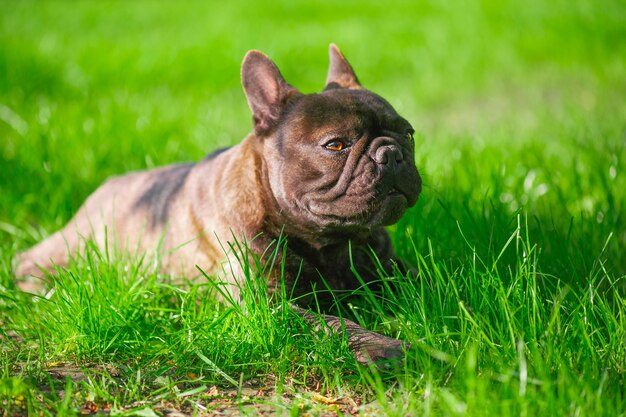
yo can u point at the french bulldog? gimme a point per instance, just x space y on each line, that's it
325 172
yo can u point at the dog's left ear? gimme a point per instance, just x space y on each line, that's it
266 90
340 72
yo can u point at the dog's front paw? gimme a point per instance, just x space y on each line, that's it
369 347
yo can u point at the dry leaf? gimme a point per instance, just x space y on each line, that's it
322 399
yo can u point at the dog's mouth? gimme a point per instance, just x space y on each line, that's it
393 197
366 210
396 193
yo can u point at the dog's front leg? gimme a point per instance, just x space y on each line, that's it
367 346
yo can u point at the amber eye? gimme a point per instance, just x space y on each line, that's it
335 145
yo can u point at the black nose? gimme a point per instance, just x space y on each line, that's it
388 154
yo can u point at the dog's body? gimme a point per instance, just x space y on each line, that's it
186 212
326 171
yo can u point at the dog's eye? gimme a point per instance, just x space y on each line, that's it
335 145
409 136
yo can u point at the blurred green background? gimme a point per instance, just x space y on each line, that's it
518 105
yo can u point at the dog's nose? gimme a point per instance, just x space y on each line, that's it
387 154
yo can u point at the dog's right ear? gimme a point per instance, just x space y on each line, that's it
266 90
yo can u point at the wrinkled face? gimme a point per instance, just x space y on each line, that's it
343 159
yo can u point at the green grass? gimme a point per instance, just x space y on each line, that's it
519 235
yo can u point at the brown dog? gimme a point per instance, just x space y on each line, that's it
327 171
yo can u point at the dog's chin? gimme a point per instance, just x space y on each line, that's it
391 210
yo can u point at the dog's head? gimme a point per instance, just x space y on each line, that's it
336 161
